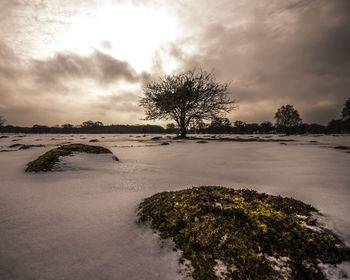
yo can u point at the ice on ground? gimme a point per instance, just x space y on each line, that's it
80 223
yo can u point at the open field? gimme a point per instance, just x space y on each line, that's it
79 222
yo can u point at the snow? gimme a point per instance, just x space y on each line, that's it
313 228
223 239
80 222
280 265
220 269
333 272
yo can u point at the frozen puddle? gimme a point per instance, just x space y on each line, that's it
81 223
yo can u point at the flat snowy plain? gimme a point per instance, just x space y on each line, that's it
80 221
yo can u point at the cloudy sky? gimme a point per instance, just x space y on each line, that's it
68 61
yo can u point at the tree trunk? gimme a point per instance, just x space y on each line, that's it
183 125
183 132
287 130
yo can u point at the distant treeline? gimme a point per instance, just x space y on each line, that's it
86 127
223 125
217 126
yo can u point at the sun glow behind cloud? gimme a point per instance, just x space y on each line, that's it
134 32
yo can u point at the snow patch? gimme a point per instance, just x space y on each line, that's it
336 272
223 239
220 269
313 228
301 217
81 223
185 268
280 265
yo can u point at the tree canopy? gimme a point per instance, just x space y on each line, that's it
345 114
287 117
185 98
89 124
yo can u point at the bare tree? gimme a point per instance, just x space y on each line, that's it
185 97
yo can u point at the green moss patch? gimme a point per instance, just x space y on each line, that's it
242 234
47 161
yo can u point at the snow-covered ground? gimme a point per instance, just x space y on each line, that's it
79 222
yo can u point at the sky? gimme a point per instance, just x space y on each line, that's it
64 61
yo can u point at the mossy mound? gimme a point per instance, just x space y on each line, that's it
46 161
242 234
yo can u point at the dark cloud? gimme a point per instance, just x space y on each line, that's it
125 102
98 66
282 52
55 90
10 67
